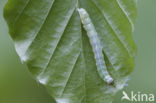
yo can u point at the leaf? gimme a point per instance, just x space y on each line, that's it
50 39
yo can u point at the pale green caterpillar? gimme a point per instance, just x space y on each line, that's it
95 43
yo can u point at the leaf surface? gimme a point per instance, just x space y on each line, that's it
49 37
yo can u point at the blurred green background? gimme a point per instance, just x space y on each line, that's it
17 86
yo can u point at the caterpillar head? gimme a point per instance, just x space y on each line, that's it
109 80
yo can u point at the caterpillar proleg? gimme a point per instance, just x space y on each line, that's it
96 47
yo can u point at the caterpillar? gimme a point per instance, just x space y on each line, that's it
96 47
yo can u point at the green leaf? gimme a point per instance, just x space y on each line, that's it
49 38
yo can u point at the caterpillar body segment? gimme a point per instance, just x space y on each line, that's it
96 46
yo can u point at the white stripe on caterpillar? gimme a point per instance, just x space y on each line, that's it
95 43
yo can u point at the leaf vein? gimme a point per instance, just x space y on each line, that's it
41 25
125 13
20 14
111 27
44 69
73 67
